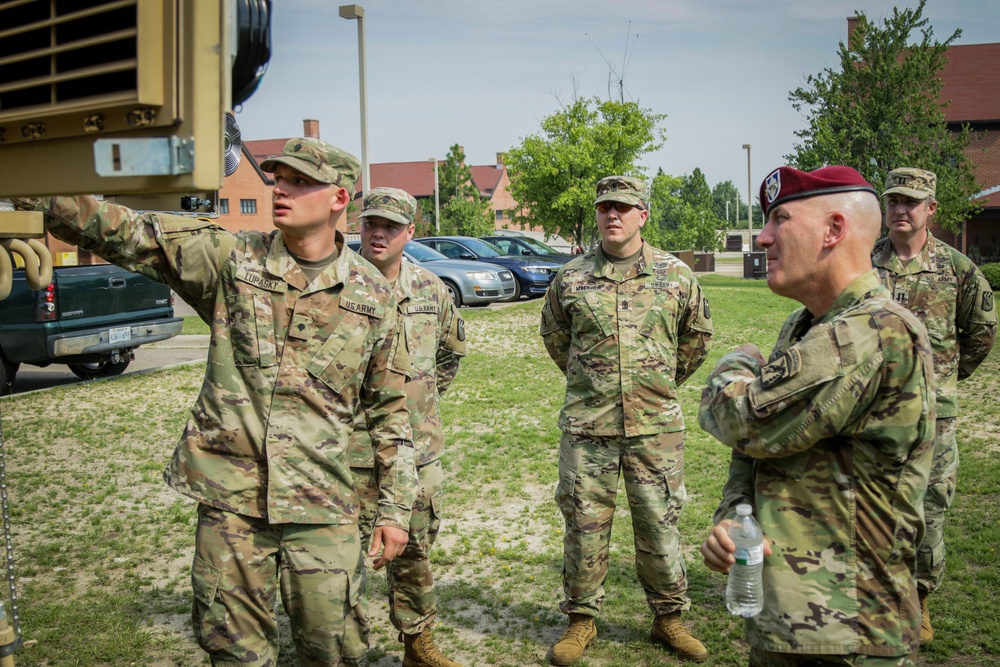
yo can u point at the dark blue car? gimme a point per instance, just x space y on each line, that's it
533 274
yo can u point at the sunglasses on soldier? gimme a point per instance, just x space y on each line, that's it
619 206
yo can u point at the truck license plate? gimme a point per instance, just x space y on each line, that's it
120 335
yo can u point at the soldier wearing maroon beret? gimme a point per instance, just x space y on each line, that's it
831 436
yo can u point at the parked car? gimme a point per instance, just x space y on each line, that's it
469 283
90 318
533 274
525 246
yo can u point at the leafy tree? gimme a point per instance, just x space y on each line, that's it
696 192
455 177
664 200
467 216
553 173
726 200
681 213
882 110
464 210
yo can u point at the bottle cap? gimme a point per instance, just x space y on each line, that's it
744 509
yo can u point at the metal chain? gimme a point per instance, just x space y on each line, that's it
15 615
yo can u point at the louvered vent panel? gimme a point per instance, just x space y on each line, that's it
57 55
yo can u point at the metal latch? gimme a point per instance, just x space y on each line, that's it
157 156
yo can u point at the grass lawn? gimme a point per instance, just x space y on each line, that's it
103 547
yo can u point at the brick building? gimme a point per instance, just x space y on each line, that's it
971 92
972 84
245 199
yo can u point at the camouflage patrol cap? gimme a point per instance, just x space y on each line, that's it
392 204
911 182
627 189
317 160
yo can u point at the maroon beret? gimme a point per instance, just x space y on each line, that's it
787 184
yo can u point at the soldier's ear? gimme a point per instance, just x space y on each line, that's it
340 199
836 229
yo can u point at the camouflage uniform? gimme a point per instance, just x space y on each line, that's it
434 334
946 291
624 342
832 445
265 448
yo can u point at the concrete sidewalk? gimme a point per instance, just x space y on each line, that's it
188 342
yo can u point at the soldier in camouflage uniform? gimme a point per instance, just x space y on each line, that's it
302 331
434 334
627 324
952 298
832 436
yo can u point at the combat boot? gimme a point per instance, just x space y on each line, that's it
421 652
573 643
668 631
926 630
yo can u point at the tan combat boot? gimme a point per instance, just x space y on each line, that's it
421 652
669 632
926 630
573 643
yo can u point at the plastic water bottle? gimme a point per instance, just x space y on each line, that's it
745 589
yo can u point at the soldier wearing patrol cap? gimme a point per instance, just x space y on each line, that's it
949 294
434 337
627 324
301 330
831 436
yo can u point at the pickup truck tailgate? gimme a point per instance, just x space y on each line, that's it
105 293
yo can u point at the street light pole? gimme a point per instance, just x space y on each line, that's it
358 12
437 198
749 200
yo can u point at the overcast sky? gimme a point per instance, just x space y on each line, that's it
484 74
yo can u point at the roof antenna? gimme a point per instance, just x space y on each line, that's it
612 70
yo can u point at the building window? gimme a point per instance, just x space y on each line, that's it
499 215
223 206
248 206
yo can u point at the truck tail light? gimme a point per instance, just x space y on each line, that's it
46 304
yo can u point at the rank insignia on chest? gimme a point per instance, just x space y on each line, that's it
901 294
782 368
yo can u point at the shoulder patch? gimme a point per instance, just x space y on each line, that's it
461 329
783 368
987 301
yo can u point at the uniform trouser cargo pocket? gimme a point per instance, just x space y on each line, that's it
241 563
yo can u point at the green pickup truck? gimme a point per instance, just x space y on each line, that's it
90 318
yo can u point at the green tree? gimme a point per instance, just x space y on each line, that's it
464 210
467 216
681 213
882 110
553 173
455 177
728 204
